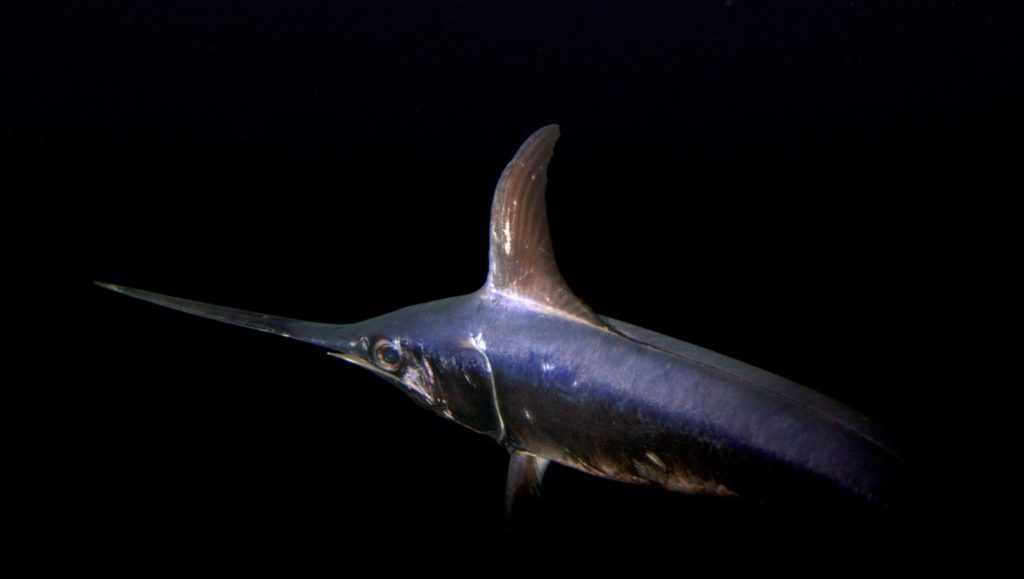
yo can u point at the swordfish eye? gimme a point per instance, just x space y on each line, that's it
387 356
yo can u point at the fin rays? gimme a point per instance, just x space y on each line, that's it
522 261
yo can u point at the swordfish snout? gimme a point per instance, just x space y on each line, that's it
337 337
526 362
311 332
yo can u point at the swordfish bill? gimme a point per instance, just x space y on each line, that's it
526 362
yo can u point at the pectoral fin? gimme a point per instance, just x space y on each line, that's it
525 472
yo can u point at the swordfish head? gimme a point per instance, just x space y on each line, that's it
436 351
423 349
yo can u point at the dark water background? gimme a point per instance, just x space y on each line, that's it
793 184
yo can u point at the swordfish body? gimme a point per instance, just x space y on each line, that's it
526 362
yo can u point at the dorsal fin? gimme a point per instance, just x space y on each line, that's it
522 261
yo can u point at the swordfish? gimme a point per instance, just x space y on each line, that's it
526 362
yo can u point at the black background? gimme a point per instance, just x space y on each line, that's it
792 184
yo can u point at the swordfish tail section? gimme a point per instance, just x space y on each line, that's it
680 417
